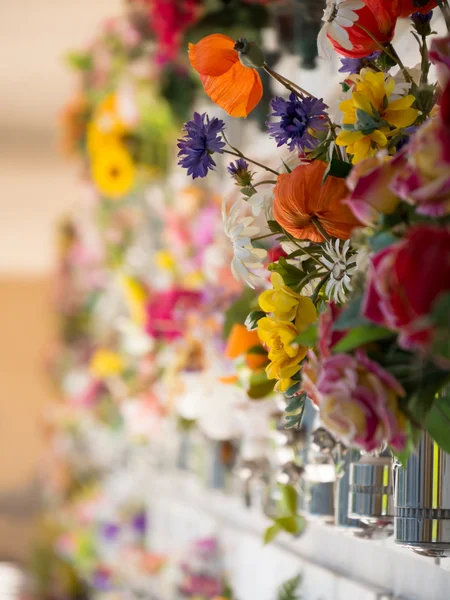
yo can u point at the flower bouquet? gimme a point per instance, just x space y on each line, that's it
355 223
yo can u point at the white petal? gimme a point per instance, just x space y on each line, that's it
340 35
323 43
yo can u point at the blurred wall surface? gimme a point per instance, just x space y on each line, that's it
36 187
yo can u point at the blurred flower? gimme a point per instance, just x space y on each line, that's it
240 341
285 356
167 312
358 401
298 119
241 172
287 305
370 117
342 19
235 88
422 174
439 55
106 363
246 258
370 194
113 171
354 65
341 268
259 203
73 123
135 296
202 139
300 197
405 280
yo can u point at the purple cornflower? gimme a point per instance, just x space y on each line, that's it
353 66
297 117
240 171
202 139
422 17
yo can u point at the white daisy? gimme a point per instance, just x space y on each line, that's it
240 230
258 203
338 16
341 269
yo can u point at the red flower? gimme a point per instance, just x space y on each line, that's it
166 313
352 26
405 280
408 7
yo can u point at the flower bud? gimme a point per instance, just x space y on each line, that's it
250 54
421 22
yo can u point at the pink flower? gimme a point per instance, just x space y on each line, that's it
368 183
358 402
327 336
166 312
423 170
440 56
405 280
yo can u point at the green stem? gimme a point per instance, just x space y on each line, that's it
425 63
272 181
254 162
311 256
262 237
389 50
320 285
315 221
288 84
445 11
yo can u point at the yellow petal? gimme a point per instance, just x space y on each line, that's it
362 102
306 313
379 138
401 118
348 137
266 301
401 103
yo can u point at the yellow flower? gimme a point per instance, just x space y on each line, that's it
106 125
165 260
106 363
285 356
370 119
286 304
113 171
135 297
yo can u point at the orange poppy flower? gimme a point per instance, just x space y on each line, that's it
300 196
233 87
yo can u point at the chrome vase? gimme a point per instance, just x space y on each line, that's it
422 500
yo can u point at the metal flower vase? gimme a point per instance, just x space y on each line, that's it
422 500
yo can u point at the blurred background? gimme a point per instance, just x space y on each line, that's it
38 184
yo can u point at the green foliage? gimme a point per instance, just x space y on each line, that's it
286 518
309 337
295 408
251 322
441 320
260 386
337 168
351 316
238 311
437 422
360 335
289 590
291 275
79 61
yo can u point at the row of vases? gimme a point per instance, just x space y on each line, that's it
373 494
413 501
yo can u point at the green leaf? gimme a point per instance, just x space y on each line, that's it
288 498
441 320
360 335
251 322
239 310
351 316
271 533
257 391
275 227
82 62
438 420
290 274
308 337
289 589
295 524
339 168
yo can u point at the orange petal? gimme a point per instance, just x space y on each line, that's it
237 91
240 341
214 55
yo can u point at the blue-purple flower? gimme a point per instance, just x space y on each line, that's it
202 139
354 65
139 522
298 117
421 22
241 172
